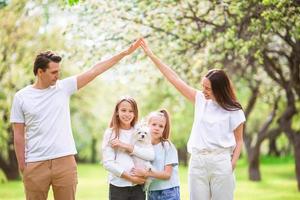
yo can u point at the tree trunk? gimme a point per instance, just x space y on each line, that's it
297 157
263 133
183 155
286 124
288 150
12 170
94 150
273 149
253 157
10 165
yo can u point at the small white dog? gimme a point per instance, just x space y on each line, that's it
142 139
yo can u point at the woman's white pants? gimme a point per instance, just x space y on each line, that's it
211 176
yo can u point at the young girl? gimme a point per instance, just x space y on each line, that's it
165 185
116 150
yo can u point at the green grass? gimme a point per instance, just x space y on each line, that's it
278 183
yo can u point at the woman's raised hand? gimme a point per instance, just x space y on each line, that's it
133 46
146 48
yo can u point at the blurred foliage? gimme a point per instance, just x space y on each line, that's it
194 36
190 36
22 35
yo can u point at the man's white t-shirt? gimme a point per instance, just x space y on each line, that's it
213 126
46 115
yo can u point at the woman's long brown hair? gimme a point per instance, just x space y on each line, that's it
223 90
115 123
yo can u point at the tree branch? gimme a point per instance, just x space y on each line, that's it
159 29
262 133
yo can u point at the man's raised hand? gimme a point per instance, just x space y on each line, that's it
133 46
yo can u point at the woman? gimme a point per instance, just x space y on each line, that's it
216 139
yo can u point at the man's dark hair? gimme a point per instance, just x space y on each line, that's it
42 60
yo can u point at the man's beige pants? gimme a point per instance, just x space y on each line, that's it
60 173
211 176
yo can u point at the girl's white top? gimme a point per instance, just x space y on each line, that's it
119 161
213 126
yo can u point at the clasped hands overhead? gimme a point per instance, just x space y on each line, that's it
141 42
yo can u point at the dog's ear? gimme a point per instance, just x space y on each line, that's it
143 122
137 126
140 125
147 129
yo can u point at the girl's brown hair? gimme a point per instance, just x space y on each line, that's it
115 123
162 113
223 90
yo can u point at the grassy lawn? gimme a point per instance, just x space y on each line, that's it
278 183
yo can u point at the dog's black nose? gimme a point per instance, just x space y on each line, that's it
143 136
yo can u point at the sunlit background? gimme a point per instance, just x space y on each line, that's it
257 42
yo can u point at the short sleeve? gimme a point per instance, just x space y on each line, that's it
236 118
171 154
69 85
17 115
199 98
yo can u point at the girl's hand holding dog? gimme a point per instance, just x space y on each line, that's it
139 172
134 179
138 180
116 143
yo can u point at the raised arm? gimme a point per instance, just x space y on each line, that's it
86 77
19 143
186 90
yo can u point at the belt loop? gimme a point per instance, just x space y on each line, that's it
50 163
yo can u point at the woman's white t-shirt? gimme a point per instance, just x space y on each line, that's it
213 126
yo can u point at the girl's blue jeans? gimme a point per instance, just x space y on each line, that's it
167 194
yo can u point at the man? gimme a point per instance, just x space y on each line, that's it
43 138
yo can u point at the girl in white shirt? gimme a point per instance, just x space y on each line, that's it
216 139
116 150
